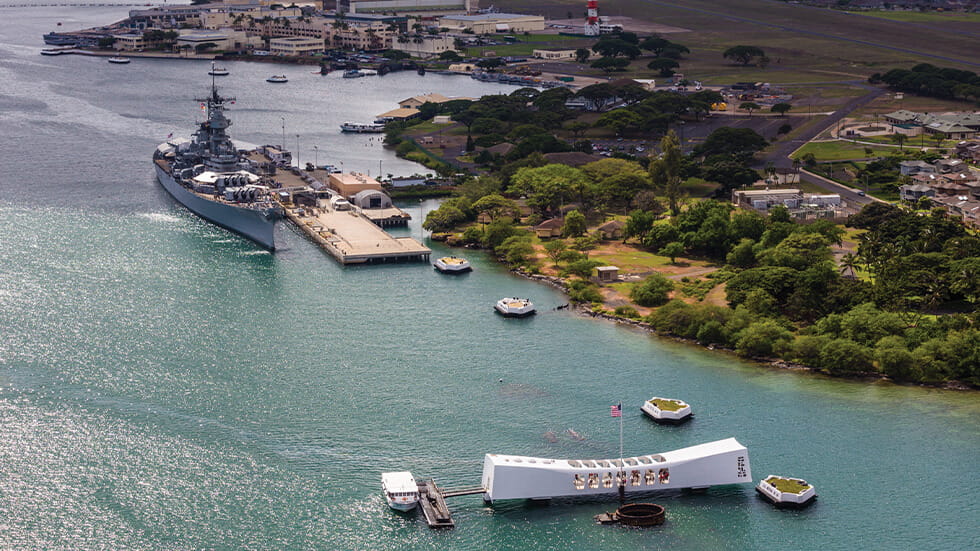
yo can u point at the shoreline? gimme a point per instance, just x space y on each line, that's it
775 363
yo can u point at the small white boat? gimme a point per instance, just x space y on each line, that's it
364 128
452 265
783 491
353 73
119 60
401 491
513 307
219 72
667 410
277 78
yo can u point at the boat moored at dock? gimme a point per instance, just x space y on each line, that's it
513 307
119 60
452 265
400 490
277 79
363 128
788 492
697 467
220 183
667 410
218 71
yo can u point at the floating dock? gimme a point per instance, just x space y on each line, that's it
433 503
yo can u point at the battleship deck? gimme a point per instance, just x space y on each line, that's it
352 238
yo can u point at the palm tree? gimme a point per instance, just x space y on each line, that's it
900 139
848 265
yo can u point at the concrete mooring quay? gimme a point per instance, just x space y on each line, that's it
349 233
352 238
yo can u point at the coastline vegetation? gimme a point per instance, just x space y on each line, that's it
902 304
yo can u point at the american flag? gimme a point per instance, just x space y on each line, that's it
617 410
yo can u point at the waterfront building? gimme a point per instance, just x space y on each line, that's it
424 46
490 23
349 184
553 54
222 40
129 42
295 46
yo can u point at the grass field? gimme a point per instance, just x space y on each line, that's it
839 151
923 16
804 44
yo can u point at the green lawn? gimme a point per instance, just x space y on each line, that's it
839 151
787 485
923 17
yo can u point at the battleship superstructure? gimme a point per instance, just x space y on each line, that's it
228 186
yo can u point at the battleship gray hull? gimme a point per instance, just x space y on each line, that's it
257 225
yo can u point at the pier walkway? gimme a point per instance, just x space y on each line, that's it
433 503
352 238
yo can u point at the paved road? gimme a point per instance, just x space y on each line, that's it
779 156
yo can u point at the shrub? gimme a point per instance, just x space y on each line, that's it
584 291
653 291
845 357
713 332
762 338
583 267
627 312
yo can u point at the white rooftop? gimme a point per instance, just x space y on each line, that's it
401 481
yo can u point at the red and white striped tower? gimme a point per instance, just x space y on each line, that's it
592 18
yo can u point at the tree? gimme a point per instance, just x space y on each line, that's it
900 139
620 120
672 250
496 205
781 108
749 106
490 63
845 357
555 249
449 55
638 224
665 171
762 338
732 141
574 225
516 249
600 95
443 218
665 66
106 42
546 187
396 55
610 64
577 127
582 55
614 47
743 54
652 291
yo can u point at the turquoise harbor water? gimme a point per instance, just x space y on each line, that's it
167 385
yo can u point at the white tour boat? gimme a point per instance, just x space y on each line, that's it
787 492
513 307
667 410
363 128
711 464
277 78
400 489
119 60
452 265
218 71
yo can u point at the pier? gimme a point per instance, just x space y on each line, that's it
433 503
348 233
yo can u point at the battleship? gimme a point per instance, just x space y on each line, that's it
219 182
